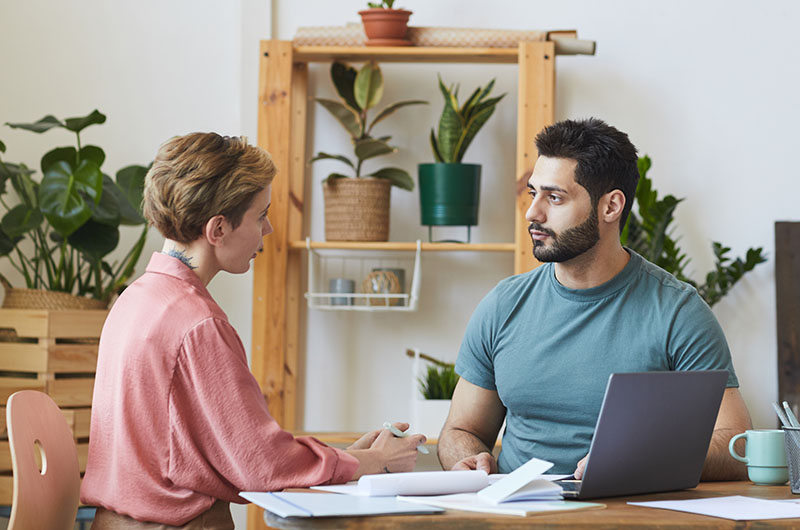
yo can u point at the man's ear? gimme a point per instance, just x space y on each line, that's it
215 230
611 206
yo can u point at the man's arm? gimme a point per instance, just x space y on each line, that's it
733 418
469 434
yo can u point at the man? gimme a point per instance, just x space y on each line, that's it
539 348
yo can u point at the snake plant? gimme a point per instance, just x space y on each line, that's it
459 124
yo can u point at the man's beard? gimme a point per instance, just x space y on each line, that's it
569 244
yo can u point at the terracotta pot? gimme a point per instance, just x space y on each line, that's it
385 27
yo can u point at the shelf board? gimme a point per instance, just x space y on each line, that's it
404 245
405 54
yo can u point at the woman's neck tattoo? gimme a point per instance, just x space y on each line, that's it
181 255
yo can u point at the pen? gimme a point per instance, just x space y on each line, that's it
790 415
781 415
400 434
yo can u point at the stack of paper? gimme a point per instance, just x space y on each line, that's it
299 504
523 492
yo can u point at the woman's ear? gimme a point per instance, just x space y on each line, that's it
611 206
215 230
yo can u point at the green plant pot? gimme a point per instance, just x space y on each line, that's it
449 194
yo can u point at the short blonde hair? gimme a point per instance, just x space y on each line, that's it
200 175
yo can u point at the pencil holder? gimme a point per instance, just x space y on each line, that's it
792 442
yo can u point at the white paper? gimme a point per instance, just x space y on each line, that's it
472 503
414 483
299 504
525 477
736 507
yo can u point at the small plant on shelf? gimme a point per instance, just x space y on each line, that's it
383 4
439 382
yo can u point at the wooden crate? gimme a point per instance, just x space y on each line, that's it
53 352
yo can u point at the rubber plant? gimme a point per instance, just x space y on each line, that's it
361 91
650 232
58 231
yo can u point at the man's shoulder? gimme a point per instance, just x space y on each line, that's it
517 285
660 278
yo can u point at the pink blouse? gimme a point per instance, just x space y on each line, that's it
177 418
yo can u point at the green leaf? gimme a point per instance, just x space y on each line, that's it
398 177
470 130
435 147
344 79
93 153
95 240
346 116
60 194
371 147
20 220
388 111
44 124
107 211
2 147
59 154
8 243
130 180
326 156
78 124
369 85
450 126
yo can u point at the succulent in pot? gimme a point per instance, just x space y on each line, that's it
384 25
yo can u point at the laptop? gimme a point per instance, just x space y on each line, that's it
652 433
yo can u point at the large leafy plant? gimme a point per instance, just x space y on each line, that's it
58 231
361 91
650 232
459 124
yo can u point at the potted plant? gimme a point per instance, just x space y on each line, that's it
436 383
357 205
449 188
58 231
384 25
649 232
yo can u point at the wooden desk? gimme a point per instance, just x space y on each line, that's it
618 514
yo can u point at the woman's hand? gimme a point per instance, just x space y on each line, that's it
381 452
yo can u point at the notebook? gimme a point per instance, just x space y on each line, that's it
652 433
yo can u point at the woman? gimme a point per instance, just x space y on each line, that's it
179 424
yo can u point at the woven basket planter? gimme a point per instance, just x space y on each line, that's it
357 209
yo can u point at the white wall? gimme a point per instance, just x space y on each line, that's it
706 88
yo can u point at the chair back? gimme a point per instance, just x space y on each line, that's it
46 499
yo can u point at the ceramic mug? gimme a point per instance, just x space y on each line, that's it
764 454
341 285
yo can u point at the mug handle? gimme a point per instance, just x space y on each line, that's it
733 452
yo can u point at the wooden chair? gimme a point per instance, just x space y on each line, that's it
46 499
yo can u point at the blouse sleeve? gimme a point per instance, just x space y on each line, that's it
223 439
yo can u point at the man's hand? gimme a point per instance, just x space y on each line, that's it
481 461
580 468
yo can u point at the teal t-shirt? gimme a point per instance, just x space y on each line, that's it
548 351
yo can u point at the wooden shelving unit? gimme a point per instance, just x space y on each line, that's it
283 100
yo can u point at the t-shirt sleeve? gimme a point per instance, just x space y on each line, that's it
696 340
221 432
475 361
